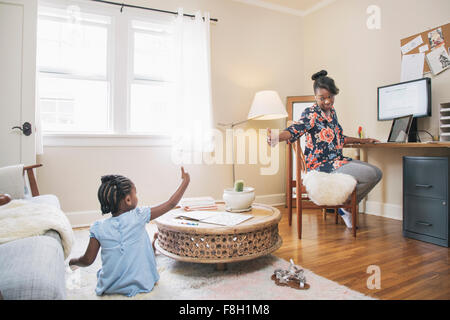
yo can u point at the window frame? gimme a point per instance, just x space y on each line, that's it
119 73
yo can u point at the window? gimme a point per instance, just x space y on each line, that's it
88 69
130 75
73 77
151 86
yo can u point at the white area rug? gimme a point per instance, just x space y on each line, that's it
195 281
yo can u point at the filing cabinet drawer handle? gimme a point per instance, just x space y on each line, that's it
424 223
423 186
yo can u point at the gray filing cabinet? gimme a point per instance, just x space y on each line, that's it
425 199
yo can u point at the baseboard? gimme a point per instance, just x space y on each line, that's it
277 199
387 210
79 219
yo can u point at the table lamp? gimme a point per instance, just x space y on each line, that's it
266 105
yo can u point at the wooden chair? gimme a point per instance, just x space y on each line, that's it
4 198
302 200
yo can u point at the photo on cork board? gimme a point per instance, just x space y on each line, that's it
435 38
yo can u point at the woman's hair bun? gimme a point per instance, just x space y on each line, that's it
317 75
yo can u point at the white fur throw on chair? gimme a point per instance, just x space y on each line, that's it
21 219
330 189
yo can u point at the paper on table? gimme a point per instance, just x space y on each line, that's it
227 218
412 66
414 43
423 48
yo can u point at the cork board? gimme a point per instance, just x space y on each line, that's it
445 33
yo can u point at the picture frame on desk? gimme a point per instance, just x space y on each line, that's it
400 129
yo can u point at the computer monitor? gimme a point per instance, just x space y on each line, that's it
405 98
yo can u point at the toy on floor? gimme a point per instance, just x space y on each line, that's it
293 277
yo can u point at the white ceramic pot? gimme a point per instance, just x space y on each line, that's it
238 201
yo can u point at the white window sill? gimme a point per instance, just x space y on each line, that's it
106 140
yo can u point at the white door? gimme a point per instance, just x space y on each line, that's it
18 20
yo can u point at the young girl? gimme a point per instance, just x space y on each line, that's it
128 260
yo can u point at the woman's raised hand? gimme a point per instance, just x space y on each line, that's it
272 138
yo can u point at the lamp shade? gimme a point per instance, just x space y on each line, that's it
267 105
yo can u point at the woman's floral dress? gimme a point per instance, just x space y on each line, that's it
324 139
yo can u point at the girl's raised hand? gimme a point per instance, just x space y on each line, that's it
184 175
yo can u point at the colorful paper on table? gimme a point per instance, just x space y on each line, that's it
412 66
196 208
197 201
414 43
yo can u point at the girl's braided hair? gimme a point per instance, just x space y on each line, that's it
112 190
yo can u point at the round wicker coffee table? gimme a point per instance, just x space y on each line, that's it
210 243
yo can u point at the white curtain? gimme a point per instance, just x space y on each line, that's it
192 125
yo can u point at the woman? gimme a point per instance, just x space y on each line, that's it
325 140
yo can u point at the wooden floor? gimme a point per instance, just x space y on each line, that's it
410 269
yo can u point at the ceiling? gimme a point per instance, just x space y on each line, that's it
295 7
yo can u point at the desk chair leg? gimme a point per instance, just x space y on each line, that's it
324 212
336 215
354 212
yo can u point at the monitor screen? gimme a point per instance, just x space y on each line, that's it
405 98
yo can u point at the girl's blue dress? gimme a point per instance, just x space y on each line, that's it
128 261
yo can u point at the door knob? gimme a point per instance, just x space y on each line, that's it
26 128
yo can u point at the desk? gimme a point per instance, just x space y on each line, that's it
428 146
431 144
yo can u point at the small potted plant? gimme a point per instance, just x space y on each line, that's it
239 198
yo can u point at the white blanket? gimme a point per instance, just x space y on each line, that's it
22 219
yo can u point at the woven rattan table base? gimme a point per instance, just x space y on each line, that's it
218 248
